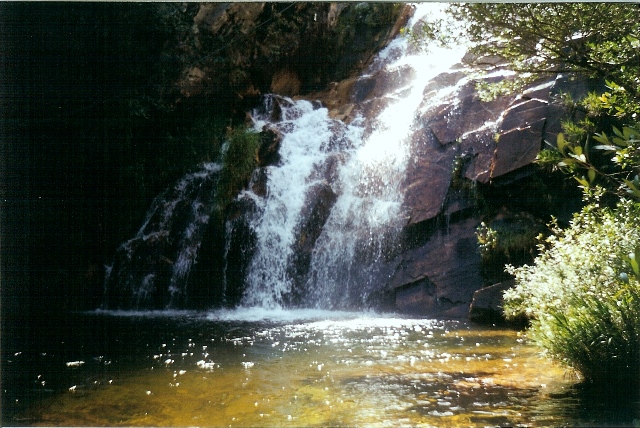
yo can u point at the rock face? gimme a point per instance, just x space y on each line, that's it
461 146
243 50
441 274
465 148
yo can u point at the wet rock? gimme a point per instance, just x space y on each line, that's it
258 183
441 274
486 306
486 62
240 247
515 149
285 83
427 183
270 139
317 208
417 298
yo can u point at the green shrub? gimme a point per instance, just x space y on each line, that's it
582 293
599 337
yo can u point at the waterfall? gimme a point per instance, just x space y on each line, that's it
151 269
319 226
310 138
348 260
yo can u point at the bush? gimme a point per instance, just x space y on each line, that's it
582 293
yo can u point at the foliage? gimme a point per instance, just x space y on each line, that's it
594 39
507 238
583 292
578 154
239 160
600 338
507 241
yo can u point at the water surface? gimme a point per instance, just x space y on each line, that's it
290 368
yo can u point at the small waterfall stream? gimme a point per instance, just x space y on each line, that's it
151 269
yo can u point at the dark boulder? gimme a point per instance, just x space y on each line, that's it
441 274
487 305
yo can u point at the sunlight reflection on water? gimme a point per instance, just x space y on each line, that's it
300 368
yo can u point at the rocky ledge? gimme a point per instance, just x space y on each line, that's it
466 153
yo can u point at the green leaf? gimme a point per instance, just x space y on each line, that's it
629 133
561 143
592 175
582 181
633 188
601 138
634 266
617 132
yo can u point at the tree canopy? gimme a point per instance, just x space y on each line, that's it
597 39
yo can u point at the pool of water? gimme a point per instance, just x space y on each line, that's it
291 368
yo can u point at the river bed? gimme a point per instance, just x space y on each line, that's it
252 367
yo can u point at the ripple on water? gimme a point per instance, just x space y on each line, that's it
351 370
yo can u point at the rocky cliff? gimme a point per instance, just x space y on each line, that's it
471 162
238 51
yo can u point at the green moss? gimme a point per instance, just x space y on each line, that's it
238 162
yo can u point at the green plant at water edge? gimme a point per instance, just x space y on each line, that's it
583 293
238 162
600 338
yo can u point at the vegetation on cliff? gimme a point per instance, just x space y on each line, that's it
582 293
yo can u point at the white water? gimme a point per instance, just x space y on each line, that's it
349 254
304 147
182 210
337 259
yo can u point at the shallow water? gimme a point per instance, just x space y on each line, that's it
290 368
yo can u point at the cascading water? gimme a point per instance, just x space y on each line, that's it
324 225
151 269
348 259
310 137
